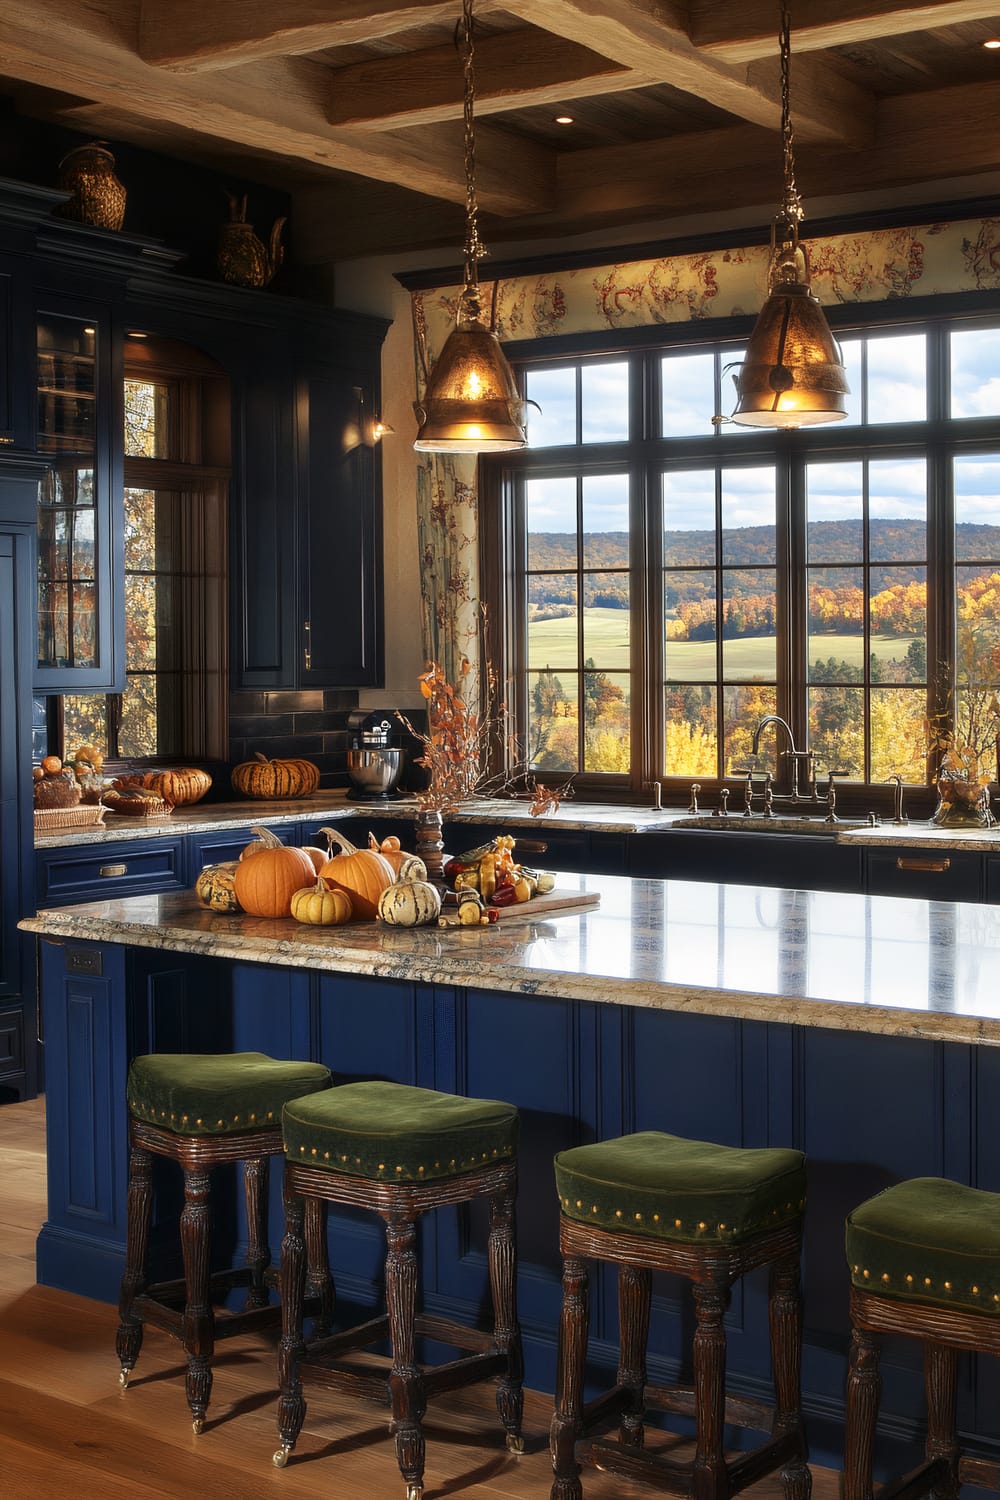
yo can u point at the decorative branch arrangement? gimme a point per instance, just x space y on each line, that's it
964 736
458 744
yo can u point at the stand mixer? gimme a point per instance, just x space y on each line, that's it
374 764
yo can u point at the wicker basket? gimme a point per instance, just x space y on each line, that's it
138 807
48 819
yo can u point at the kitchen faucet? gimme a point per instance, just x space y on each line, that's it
790 754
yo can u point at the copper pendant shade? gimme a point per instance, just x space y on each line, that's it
792 374
471 402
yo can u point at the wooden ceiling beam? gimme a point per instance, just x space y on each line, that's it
741 31
194 36
651 38
514 70
279 107
920 137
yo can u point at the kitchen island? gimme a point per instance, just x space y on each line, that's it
865 1030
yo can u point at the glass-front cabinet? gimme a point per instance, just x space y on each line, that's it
79 542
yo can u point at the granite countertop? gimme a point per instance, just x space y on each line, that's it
212 816
893 965
577 816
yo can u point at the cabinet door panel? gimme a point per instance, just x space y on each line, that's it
340 537
81 521
933 874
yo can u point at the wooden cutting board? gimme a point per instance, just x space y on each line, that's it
552 904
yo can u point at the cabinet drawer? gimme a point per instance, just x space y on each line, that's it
102 871
229 843
933 874
12 1052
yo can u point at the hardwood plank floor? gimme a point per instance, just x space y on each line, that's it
69 1433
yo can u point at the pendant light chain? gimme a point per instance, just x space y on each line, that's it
474 248
792 205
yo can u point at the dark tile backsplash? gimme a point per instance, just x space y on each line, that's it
310 724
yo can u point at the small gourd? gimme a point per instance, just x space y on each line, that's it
409 903
320 906
404 866
215 887
363 873
266 883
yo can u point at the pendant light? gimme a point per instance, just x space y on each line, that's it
792 373
471 403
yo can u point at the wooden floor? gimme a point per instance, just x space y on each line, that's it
68 1433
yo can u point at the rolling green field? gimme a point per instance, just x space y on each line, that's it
552 643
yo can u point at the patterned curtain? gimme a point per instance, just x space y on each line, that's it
878 266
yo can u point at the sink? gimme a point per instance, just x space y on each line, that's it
737 823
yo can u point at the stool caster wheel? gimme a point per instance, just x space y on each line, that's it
414 1491
123 1375
515 1443
280 1459
198 1426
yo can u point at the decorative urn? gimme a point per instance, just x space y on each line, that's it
98 197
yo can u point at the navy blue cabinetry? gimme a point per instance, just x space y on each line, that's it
228 844
931 873
813 862
101 872
18 1023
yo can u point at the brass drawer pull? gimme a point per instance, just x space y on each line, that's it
108 872
934 866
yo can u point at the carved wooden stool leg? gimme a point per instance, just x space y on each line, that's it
140 1199
291 1404
941 1384
633 1319
199 1321
406 1380
255 1181
568 1414
785 1316
709 1479
502 1254
864 1388
319 1282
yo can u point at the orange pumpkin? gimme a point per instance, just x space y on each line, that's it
319 857
363 873
261 777
265 885
181 786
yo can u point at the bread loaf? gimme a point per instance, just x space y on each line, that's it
60 790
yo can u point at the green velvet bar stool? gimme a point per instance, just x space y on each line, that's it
655 1202
400 1151
201 1111
924 1259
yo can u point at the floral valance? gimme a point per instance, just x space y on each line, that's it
875 266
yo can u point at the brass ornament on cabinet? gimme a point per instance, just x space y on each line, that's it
88 172
242 257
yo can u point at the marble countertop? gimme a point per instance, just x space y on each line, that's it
892 965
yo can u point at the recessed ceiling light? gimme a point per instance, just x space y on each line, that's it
992 44
568 119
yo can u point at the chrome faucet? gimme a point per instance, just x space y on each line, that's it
898 815
791 753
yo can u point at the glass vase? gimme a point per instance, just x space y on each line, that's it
962 804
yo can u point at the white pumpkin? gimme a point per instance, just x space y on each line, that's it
409 903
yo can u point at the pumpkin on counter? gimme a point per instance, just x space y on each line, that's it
405 866
265 884
409 903
273 779
320 906
182 785
363 873
216 888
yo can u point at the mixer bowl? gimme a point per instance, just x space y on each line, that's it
375 770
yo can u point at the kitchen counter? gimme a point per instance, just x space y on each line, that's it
897 966
863 1030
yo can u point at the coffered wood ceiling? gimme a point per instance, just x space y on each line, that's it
355 106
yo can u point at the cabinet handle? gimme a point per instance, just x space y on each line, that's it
933 866
307 653
109 872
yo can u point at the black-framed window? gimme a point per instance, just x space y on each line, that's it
664 580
